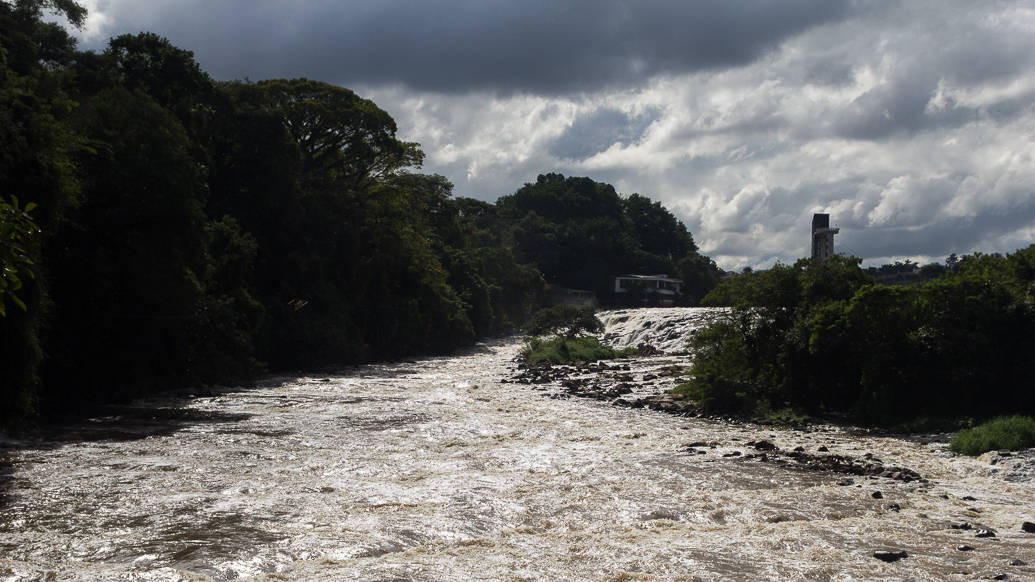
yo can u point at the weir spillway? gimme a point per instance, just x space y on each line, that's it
441 469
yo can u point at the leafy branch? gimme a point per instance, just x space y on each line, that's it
17 230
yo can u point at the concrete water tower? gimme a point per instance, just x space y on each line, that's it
822 237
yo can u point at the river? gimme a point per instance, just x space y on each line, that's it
439 469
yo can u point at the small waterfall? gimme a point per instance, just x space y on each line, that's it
667 329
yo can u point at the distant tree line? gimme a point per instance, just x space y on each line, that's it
160 229
581 233
824 339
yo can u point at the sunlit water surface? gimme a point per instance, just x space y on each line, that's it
439 470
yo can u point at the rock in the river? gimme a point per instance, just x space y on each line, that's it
965 548
1018 563
1028 527
877 495
763 446
985 533
886 556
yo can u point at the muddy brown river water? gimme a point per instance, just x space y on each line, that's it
438 469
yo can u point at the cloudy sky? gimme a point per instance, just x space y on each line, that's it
911 122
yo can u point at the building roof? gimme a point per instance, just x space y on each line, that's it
662 277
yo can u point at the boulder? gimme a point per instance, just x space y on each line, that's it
888 556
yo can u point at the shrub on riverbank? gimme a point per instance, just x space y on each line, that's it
1006 432
566 323
565 350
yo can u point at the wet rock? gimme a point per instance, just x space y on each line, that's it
763 446
894 507
733 454
1018 563
965 548
877 495
985 533
1000 577
968 498
799 449
887 556
645 349
962 525
1028 527
823 449
846 483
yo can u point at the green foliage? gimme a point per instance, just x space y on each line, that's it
1006 432
566 350
17 233
128 263
567 320
581 233
37 149
344 139
821 339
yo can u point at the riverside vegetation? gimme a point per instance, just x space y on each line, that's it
558 337
821 339
159 229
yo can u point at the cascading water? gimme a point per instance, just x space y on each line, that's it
439 470
665 329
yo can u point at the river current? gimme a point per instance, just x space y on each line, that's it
440 469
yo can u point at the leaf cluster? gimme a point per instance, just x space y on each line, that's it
17 233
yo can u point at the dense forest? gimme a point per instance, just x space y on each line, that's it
821 338
161 229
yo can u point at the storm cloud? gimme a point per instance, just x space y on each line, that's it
541 46
911 122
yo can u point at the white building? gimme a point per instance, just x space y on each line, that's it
661 289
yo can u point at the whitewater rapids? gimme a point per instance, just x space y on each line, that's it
438 469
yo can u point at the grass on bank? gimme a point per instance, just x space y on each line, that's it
1006 432
565 350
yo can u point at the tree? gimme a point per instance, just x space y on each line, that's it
567 320
128 263
345 140
149 63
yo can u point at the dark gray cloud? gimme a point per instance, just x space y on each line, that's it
544 46
594 133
